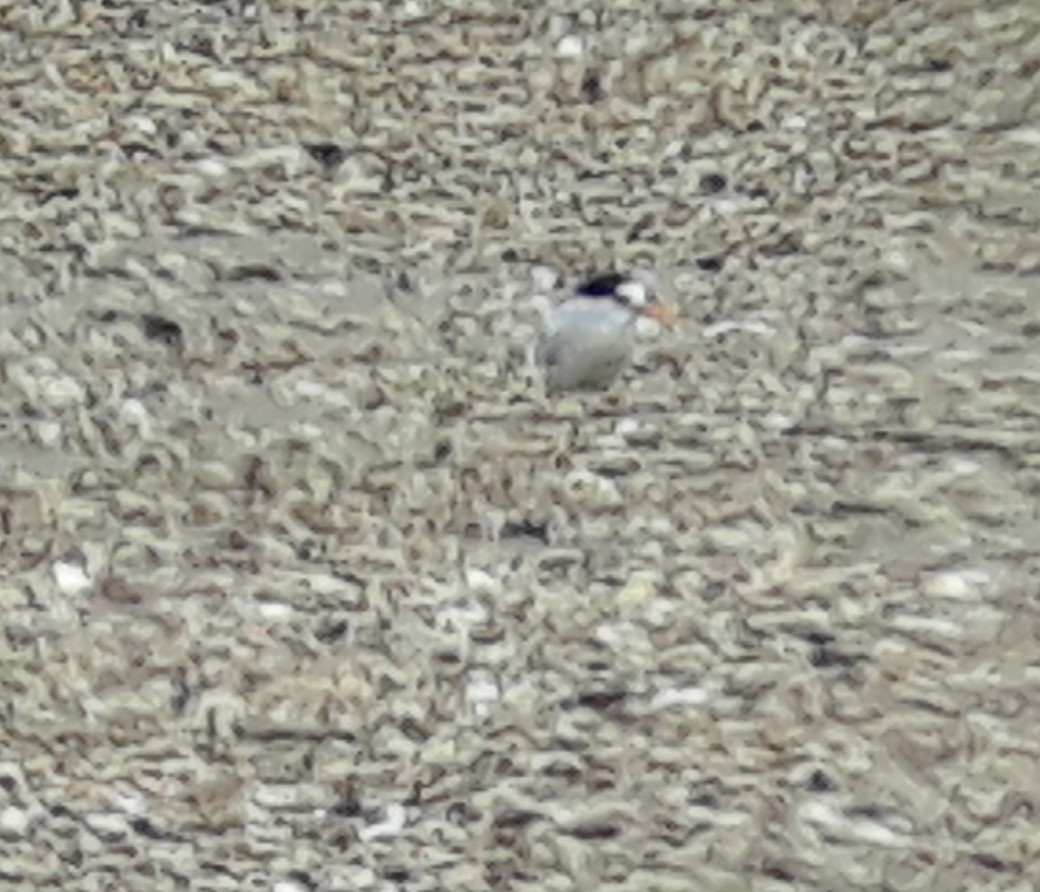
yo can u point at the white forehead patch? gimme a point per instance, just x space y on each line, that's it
633 292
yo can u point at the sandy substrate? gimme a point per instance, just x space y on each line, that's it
307 586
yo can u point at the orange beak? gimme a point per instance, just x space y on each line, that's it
660 313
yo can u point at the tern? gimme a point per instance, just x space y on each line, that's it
588 339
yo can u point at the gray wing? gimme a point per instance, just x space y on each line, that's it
583 348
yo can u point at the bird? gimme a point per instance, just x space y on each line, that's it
588 340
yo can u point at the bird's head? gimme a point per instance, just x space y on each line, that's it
630 293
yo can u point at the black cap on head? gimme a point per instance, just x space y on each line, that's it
601 285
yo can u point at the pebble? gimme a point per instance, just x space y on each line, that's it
570 46
71 578
14 823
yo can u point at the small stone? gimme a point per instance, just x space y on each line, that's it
481 581
955 585
49 433
14 823
674 697
391 826
482 690
639 589
71 578
119 591
275 610
107 826
570 46
61 391
213 168
134 414
544 278
144 124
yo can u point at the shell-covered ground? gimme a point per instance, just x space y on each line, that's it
307 585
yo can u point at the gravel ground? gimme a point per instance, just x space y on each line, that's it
308 586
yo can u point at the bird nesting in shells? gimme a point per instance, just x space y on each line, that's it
589 338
